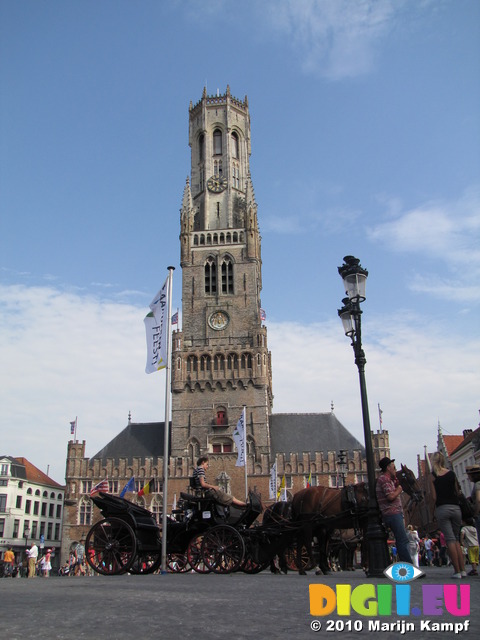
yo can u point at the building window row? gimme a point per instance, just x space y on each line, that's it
202 239
219 362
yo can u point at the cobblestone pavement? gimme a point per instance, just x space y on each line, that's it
200 607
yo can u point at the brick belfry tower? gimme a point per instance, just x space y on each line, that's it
220 359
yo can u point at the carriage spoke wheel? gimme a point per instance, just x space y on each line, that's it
250 566
223 549
194 555
111 547
291 558
146 563
177 562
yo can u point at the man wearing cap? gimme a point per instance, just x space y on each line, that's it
474 477
388 492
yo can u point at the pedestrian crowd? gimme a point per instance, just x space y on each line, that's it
456 542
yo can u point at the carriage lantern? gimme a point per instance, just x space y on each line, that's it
354 278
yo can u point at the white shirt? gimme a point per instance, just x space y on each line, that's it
33 552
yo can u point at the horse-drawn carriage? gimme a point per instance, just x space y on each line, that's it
201 534
206 536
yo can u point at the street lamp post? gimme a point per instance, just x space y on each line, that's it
342 465
354 280
26 534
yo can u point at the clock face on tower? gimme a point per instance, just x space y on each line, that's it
218 320
217 184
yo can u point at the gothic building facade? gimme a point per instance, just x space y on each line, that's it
220 357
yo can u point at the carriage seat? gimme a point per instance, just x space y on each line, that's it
198 491
206 503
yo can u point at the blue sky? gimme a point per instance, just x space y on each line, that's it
365 141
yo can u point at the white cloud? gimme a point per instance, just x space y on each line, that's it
69 354
446 232
417 373
334 38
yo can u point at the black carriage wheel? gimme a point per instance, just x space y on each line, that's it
250 566
111 547
177 563
194 555
223 549
291 558
146 563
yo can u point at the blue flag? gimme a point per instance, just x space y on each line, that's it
130 486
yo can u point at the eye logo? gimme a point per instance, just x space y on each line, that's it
402 572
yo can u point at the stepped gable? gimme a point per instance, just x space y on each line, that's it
137 440
310 432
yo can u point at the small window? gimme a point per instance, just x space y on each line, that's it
210 277
227 276
221 418
235 145
201 147
217 142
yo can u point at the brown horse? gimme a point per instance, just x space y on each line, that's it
320 510
410 485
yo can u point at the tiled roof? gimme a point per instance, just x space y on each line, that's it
474 436
35 475
451 443
310 432
137 440
290 433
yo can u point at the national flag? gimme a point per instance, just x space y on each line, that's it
380 413
147 488
282 490
101 486
129 487
263 315
72 426
309 481
156 332
239 439
175 318
272 487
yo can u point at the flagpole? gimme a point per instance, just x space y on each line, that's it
75 434
167 421
245 446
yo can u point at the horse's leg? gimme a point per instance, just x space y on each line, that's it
323 537
304 539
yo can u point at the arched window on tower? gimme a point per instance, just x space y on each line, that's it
217 142
201 147
235 145
210 277
227 275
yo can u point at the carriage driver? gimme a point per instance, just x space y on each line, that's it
215 492
388 492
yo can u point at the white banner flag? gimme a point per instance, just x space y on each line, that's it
156 331
272 489
239 438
